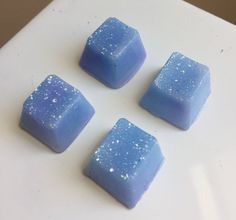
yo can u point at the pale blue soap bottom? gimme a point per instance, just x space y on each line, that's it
179 91
126 162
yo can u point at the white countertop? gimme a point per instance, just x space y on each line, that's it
198 179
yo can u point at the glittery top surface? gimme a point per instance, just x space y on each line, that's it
50 100
112 37
124 150
181 76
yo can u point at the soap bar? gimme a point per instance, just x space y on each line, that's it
179 91
113 53
126 162
55 113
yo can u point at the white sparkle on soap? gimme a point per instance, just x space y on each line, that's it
52 125
54 100
111 170
97 159
117 141
126 176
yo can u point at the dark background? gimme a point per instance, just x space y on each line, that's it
225 9
14 14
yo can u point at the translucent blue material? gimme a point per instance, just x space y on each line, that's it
55 113
113 53
126 162
179 91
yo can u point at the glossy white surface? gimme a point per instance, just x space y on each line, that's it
197 181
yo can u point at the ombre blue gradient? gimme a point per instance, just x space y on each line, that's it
126 162
55 113
113 53
179 91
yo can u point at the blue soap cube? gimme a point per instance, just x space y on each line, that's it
113 53
55 113
179 91
126 162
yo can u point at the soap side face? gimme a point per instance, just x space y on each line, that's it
179 91
113 53
125 163
55 113
75 121
130 61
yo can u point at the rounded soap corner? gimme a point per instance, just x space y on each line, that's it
21 123
184 128
141 102
175 53
81 62
208 71
122 120
130 206
25 104
53 75
112 18
163 162
93 111
136 33
155 141
109 20
86 170
60 151
114 86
